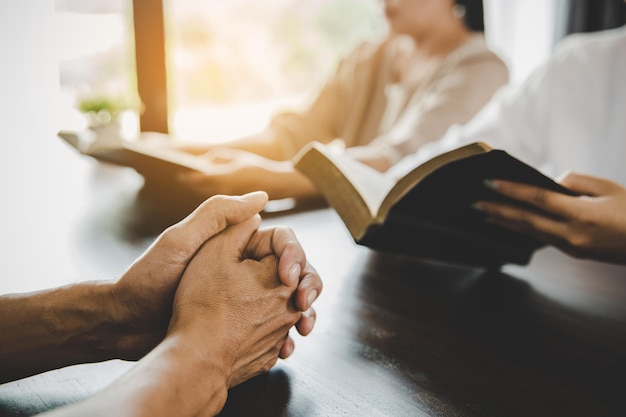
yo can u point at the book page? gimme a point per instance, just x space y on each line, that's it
351 188
370 183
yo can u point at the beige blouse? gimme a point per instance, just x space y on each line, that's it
364 105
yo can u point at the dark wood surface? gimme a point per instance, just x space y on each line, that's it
395 336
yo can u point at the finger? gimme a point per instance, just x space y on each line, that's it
267 268
282 242
211 218
287 348
588 185
549 201
219 212
309 289
261 244
235 238
292 259
307 322
544 237
524 221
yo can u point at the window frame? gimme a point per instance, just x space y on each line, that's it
149 31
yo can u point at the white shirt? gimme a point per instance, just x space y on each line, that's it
569 115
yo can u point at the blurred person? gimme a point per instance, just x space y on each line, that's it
384 101
568 115
206 307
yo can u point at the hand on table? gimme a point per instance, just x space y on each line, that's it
233 171
592 225
209 305
145 292
232 306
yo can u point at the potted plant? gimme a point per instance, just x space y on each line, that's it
103 113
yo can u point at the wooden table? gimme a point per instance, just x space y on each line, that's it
394 337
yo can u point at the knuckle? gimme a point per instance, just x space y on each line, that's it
286 230
539 197
287 237
587 218
270 364
217 200
525 220
288 320
578 241
270 267
295 318
265 368
170 234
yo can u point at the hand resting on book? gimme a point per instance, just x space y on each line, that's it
592 225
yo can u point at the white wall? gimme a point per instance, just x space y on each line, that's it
29 162
521 32
29 85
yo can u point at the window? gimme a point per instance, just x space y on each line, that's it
233 64
522 32
96 54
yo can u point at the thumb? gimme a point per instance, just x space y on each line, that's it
219 212
587 184
234 240
213 216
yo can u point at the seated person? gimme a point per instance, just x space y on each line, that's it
567 116
206 307
384 101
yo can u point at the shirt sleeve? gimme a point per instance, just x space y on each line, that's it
324 119
293 130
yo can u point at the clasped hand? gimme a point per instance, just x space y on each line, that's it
225 284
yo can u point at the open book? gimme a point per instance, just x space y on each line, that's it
427 213
151 161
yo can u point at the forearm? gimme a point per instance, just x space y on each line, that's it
281 180
264 143
55 328
174 379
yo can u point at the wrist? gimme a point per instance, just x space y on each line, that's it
171 380
201 360
137 326
92 312
195 378
205 342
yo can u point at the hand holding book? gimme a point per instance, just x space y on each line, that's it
592 225
427 213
